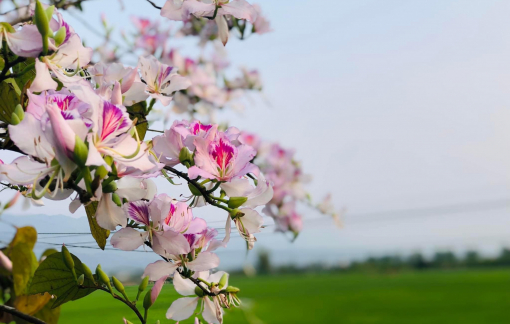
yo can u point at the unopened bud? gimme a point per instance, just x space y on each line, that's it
235 202
81 151
232 289
101 172
199 292
19 111
88 273
110 187
103 278
41 19
60 36
223 280
68 260
80 280
147 300
49 12
142 286
194 190
116 199
185 155
15 119
118 285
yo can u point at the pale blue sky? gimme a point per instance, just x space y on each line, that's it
390 105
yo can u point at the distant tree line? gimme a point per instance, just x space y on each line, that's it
393 263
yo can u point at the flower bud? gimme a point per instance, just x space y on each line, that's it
15 119
232 289
19 111
142 286
194 190
81 151
80 280
199 292
103 278
88 273
235 202
185 155
60 36
41 20
147 300
101 172
110 187
223 280
116 199
68 260
118 285
49 12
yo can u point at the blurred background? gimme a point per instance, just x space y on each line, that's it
400 109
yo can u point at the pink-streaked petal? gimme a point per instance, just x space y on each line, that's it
156 289
138 211
128 239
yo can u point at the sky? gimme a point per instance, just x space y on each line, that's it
400 109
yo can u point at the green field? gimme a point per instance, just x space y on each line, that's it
470 296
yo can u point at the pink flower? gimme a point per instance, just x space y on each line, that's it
161 80
24 42
183 9
221 160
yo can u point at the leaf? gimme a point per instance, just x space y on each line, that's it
27 76
27 235
46 313
8 101
47 253
98 233
55 278
49 314
24 264
31 304
138 110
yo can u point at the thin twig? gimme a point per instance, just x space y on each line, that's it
154 5
17 313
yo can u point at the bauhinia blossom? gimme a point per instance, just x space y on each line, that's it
216 9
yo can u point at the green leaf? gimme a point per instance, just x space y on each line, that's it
30 75
99 233
55 278
24 264
138 110
47 253
8 101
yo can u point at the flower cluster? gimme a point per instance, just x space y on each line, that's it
80 131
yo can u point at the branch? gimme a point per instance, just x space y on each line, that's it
17 313
127 302
199 187
154 5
